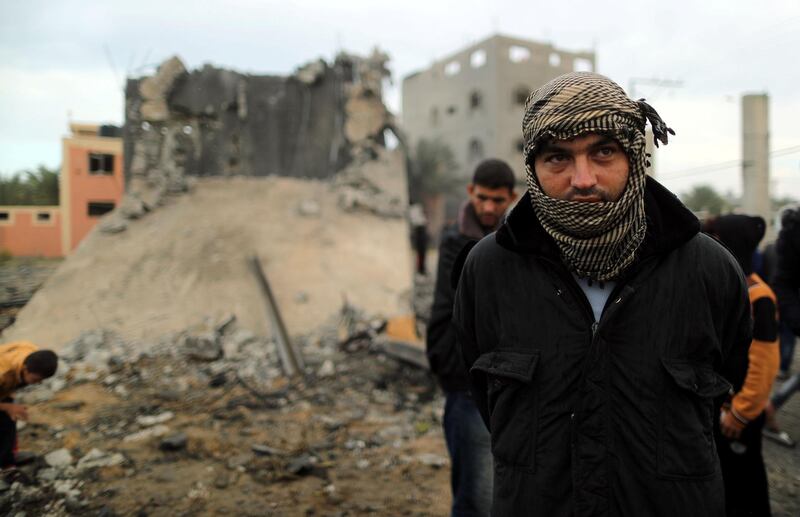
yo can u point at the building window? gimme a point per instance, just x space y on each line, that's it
475 151
582 65
517 54
555 59
477 59
451 110
4 216
475 100
452 68
43 216
101 163
520 95
98 208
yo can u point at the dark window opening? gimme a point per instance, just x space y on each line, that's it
475 151
451 110
475 100
43 216
96 209
4 216
520 95
101 163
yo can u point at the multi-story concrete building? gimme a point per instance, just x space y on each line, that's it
473 100
91 184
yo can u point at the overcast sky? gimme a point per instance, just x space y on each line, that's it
62 60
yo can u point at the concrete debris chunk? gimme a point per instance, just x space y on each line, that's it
145 434
203 347
151 420
97 458
327 369
175 442
432 460
60 458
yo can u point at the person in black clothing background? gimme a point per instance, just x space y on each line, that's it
491 193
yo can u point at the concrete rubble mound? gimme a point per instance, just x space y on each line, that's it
150 428
188 260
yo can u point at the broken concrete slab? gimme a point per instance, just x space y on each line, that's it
59 458
151 420
146 434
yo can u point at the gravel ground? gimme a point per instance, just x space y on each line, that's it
783 464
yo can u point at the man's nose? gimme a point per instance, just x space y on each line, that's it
584 176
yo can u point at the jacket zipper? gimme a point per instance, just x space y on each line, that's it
620 293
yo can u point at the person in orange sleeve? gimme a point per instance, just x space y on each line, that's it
21 364
739 432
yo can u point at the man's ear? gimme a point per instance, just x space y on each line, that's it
514 195
470 188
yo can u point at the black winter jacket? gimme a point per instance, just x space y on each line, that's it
614 417
440 338
786 281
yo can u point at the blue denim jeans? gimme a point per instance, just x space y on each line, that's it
470 449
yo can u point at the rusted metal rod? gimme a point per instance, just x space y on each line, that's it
291 357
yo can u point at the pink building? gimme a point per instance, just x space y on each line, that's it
91 185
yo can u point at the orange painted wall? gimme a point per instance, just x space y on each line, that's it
85 188
22 235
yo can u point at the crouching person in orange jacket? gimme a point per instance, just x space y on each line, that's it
21 364
739 434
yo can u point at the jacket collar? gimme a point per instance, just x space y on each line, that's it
669 225
468 223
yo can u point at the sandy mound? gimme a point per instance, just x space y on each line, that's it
188 260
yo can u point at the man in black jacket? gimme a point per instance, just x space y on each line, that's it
490 195
787 273
600 327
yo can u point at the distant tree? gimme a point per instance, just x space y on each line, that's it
30 187
433 169
780 202
705 198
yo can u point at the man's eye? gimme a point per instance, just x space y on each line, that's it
606 151
555 158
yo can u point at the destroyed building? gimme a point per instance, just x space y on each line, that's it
291 169
217 122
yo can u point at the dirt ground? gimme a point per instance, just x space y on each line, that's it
359 434
357 438
783 464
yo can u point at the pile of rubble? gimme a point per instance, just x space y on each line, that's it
204 422
190 258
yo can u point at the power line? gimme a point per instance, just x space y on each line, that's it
713 167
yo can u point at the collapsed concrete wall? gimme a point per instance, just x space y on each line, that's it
217 122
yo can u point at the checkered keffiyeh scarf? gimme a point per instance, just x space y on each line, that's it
596 240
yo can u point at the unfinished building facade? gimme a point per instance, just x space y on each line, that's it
473 100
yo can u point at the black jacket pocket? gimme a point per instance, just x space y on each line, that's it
512 404
686 441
